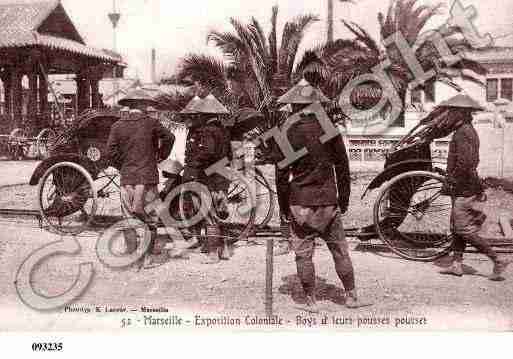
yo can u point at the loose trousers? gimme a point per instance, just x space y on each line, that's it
325 222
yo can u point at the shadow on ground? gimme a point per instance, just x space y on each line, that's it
324 291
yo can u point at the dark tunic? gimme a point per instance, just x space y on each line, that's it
136 145
462 162
206 145
321 177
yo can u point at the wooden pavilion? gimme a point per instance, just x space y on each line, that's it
38 39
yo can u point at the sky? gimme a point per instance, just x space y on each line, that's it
175 28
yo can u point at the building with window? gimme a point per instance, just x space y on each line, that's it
38 40
367 145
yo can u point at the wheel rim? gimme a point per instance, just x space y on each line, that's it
45 140
67 199
265 200
413 218
18 148
242 207
238 205
109 202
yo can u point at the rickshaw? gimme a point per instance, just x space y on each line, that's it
19 145
410 215
75 176
77 188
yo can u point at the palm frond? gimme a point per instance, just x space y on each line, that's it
260 38
414 20
293 33
206 71
312 68
230 44
472 65
391 25
251 60
421 21
363 36
407 8
273 40
255 58
299 27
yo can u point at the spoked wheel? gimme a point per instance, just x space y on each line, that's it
17 144
413 218
44 142
67 199
234 213
264 195
108 192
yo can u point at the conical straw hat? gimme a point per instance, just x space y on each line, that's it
303 93
190 108
462 101
211 105
138 95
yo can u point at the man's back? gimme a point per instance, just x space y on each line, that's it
463 160
134 148
206 145
313 177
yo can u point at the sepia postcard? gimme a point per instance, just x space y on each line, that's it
280 165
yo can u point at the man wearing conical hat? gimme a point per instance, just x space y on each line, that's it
189 109
465 187
318 190
136 144
207 143
301 95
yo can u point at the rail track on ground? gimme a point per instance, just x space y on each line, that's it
367 240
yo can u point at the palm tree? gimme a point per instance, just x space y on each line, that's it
333 65
256 67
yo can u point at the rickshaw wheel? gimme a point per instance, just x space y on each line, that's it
412 217
243 201
240 205
18 149
67 199
108 197
44 142
264 196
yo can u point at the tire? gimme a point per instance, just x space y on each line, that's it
265 198
108 192
17 144
412 217
240 207
44 141
16 133
67 198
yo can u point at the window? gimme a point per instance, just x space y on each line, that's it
507 89
429 91
492 90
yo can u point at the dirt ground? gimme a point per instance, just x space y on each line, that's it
405 292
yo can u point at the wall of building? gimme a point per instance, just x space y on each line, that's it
367 146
